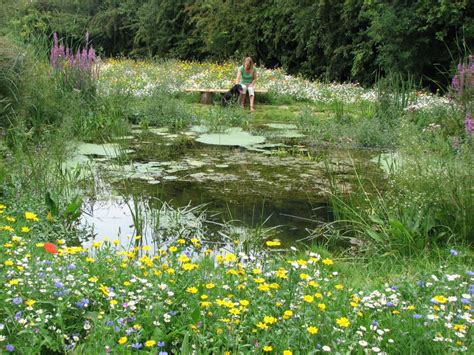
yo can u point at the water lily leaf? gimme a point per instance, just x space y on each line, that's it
232 137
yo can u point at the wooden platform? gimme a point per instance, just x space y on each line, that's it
206 94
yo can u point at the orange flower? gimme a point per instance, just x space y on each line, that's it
50 248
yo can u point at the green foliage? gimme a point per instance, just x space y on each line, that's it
338 40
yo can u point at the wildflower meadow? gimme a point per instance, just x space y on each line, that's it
187 297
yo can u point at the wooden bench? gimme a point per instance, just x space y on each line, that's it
206 94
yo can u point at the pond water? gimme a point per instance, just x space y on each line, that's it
268 179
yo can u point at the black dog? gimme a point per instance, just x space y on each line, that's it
231 96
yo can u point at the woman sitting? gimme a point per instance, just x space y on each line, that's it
247 76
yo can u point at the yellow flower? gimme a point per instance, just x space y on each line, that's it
328 261
10 219
31 216
267 348
150 343
343 322
192 290
8 262
172 249
312 330
183 259
13 282
234 311
262 325
269 320
244 303
205 304
122 340
440 299
308 298
339 287
113 302
304 276
287 314
257 271
30 303
273 243
189 266
25 229
322 306
411 308
259 280
287 352
229 257
281 273
93 279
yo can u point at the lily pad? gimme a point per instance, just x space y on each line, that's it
281 125
232 137
109 150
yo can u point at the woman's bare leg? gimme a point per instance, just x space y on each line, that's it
242 100
251 102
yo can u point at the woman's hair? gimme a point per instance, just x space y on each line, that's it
251 62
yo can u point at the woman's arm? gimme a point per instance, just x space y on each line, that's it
254 77
239 75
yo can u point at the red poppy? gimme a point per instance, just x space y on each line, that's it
50 248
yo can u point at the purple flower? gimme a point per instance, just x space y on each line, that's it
162 353
375 323
107 349
470 273
420 283
9 347
465 301
137 346
161 344
58 284
455 83
82 303
71 266
453 252
468 121
17 300
417 316
17 315
471 289
390 304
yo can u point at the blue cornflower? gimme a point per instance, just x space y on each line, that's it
465 301
470 273
471 289
390 304
109 323
137 346
17 300
453 252
420 283
58 284
161 344
417 316
17 315
82 303
71 266
375 323
162 353
9 347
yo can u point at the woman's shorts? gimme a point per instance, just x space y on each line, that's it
249 88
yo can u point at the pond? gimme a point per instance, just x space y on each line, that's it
268 181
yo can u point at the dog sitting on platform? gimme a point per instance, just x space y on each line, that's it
231 96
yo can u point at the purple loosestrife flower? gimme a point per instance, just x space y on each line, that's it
455 83
469 127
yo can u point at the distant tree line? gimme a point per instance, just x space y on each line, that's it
338 40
